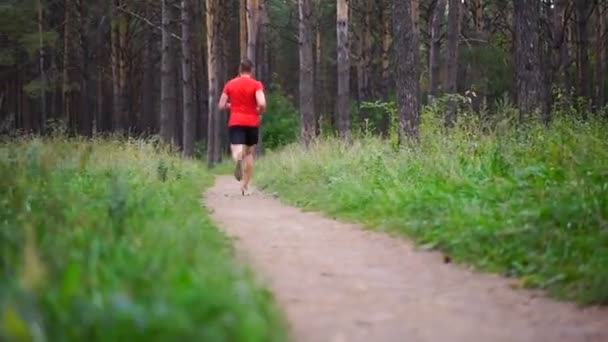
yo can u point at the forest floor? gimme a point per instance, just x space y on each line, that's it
339 282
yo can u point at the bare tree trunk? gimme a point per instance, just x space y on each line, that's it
84 119
56 94
407 67
189 120
200 58
67 52
604 58
253 14
243 28
452 59
263 69
477 82
148 113
263 73
116 110
560 42
582 48
119 68
387 42
600 52
307 104
43 112
319 74
177 70
415 11
214 142
528 57
365 51
435 48
167 97
123 25
344 119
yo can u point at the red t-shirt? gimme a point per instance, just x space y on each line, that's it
243 105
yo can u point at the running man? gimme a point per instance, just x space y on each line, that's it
244 97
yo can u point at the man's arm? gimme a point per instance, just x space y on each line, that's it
261 100
224 105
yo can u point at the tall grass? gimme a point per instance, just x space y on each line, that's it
529 203
107 241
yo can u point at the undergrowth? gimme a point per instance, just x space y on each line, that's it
526 202
107 241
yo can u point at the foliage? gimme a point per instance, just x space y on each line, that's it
19 28
526 202
494 65
380 111
107 241
280 125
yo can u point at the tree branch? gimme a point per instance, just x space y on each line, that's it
147 21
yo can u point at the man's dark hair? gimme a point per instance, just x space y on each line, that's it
246 66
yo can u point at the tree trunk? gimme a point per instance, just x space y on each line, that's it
407 68
582 48
319 74
263 69
189 119
43 113
67 53
253 13
114 57
167 97
365 50
263 73
435 48
307 107
176 57
123 25
214 142
200 57
147 112
119 68
559 42
55 94
84 119
387 42
225 9
452 59
477 76
243 28
600 52
415 12
343 106
528 56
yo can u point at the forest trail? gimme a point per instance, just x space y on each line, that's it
337 282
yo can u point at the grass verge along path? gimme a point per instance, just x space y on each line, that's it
106 241
532 206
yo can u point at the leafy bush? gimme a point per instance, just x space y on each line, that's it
107 241
280 124
527 203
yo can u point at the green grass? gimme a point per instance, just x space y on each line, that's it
107 241
532 205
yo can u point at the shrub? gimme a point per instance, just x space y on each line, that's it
280 125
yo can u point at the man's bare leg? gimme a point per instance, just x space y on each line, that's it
247 168
237 157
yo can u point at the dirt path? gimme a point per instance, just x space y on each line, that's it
337 282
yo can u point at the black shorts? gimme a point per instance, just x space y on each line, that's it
243 135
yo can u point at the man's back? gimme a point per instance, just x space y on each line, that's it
244 96
241 92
